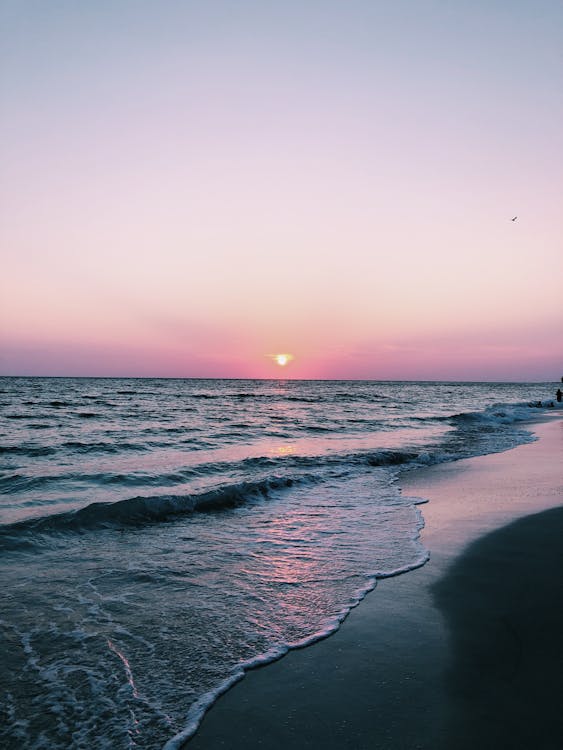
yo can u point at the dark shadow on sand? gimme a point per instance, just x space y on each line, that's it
503 604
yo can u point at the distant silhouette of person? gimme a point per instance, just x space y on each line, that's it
558 395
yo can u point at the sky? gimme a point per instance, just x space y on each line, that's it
190 188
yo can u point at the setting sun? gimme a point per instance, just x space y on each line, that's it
282 359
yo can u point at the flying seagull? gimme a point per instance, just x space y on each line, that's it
514 219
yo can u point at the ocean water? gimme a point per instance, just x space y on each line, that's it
159 537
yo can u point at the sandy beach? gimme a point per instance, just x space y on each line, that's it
463 652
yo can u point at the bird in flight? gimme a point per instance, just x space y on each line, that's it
514 219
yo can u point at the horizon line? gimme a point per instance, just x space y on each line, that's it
273 379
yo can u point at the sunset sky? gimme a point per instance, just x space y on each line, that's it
190 188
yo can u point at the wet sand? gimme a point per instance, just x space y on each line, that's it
464 652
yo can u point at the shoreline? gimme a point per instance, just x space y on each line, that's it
383 680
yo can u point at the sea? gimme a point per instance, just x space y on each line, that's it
158 538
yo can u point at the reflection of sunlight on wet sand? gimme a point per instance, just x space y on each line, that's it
126 667
281 565
288 549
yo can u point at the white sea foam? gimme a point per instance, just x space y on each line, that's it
329 627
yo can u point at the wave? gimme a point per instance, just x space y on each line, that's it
104 447
316 399
20 482
23 483
496 415
29 416
23 450
500 414
138 511
475 433
144 509
74 445
381 457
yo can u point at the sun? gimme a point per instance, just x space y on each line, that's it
282 359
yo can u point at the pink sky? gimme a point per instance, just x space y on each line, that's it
187 191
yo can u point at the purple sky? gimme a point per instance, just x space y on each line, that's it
190 188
